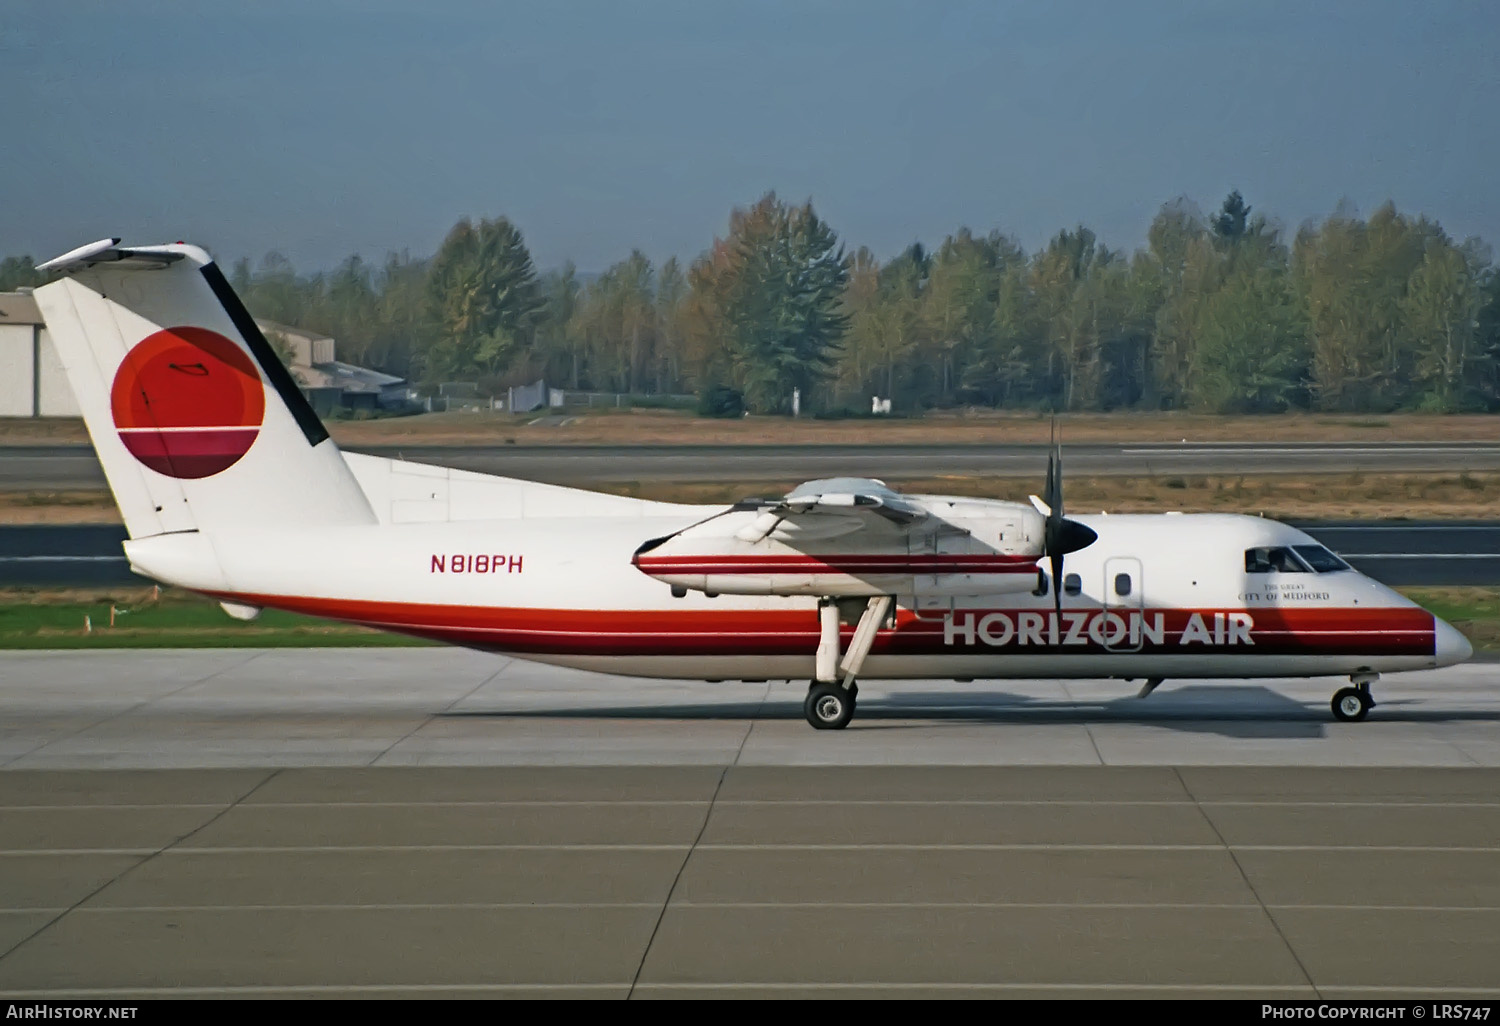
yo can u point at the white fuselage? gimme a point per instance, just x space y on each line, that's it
228 484
1158 596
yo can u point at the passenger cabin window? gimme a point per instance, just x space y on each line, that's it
1041 584
1072 584
1122 584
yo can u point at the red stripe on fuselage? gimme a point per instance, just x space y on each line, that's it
604 632
845 564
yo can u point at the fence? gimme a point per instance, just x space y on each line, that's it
464 395
618 400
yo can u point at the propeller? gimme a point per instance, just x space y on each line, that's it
1060 535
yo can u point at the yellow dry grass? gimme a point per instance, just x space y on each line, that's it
649 427
1279 496
93 506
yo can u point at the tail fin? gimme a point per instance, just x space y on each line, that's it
195 420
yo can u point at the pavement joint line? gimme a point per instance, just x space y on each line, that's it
429 717
749 729
307 988
1250 884
1105 905
455 906
14 852
1017 985
132 867
442 988
143 703
176 849
667 901
1174 906
337 848
1167 803
707 815
1088 729
1461 750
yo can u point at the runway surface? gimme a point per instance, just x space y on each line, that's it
184 709
62 467
442 823
1396 552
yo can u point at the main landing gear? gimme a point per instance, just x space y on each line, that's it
830 701
1350 705
829 706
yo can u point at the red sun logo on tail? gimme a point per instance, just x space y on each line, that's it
188 402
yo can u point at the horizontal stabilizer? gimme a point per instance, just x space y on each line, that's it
109 251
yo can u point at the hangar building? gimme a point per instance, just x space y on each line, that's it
33 383
32 380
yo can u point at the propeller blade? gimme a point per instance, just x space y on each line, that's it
1057 585
1060 535
1055 500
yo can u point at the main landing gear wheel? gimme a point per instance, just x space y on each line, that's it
1352 704
828 706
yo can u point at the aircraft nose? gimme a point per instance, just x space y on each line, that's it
1449 646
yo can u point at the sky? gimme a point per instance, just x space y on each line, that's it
320 128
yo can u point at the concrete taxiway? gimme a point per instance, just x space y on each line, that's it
440 706
444 823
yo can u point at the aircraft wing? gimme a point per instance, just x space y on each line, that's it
833 507
846 537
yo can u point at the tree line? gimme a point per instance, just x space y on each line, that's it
1217 313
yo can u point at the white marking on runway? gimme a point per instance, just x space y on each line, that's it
1209 449
293 849
1421 555
1274 803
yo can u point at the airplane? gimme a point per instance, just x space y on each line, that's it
230 486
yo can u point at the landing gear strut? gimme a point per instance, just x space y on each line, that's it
830 702
1350 705
1152 683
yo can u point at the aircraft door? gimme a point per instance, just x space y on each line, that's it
1125 597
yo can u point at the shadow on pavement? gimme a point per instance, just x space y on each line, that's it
1227 710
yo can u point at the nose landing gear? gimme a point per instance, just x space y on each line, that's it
1350 705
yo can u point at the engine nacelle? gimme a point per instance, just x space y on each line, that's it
992 550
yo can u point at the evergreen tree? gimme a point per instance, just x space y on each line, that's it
18 272
485 298
781 301
1233 219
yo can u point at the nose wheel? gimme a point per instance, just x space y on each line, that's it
829 706
1350 705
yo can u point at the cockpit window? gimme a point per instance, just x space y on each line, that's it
1280 560
1320 559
